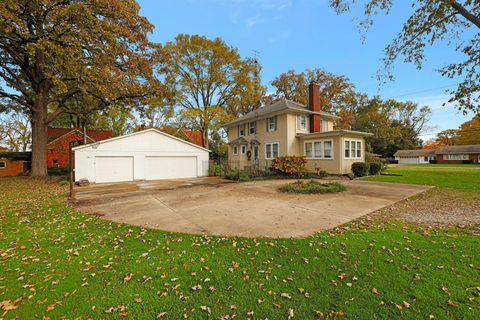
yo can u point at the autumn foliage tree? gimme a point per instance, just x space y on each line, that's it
54 50
431 21
337 93
209 82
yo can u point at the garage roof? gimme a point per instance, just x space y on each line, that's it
137 133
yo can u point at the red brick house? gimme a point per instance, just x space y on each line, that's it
14 164
459 154
60 138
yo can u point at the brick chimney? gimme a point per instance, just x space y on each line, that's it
314 105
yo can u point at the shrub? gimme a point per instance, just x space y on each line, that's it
312 187
215 170
60 171
322 173
291 166
237 175
433 161
466 161
376 168
360 169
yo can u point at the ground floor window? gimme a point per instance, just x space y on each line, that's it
271 150
243 149
3 164
353 149
235 150
456 156
322 149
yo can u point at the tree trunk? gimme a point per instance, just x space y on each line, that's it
39 139
205 138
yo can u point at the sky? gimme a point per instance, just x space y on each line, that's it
304 34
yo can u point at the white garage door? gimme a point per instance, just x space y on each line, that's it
157 168
113 169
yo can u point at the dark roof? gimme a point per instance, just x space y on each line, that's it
278 106
27 156
415 153
333 133
96 135
472 148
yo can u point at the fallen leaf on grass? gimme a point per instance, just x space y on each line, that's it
285 295
7 305
290 313
374 291
451 303
127 277
161 314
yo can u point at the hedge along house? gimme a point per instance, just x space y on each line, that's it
144 155
288 128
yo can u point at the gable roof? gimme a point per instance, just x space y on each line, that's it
471 148
278 106
141 132
96 135
414 153
239 140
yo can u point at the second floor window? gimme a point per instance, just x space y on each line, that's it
241 130
272 124
252 128
323 125
302 122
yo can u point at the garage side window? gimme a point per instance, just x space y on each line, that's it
3 164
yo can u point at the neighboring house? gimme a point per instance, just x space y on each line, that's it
458 154
14 163
288 128
59 140
143 155
415 156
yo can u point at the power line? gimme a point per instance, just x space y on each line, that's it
423 91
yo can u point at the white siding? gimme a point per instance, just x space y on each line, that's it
139 146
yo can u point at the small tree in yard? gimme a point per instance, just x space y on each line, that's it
54 50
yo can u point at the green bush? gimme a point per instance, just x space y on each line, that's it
312 187
237 175
322 173
215 170
432 161
60 171
360 169
376 168
290 165
466 161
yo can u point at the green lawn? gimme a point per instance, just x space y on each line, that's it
449 178
58 263
460 165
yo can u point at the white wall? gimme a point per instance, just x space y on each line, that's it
139 146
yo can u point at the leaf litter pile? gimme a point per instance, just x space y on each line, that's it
58 263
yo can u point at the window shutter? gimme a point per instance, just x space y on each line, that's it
275 123
266 124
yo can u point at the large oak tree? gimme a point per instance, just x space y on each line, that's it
431 21
54 50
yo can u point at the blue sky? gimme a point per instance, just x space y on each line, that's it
304 34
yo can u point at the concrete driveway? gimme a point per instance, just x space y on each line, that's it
251 209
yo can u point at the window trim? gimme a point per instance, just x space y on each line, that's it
243 149
254 128
299 121
241 126
4 164
274 124
322 124
322 150
355 143
447 156
271 145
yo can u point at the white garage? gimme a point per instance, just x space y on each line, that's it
144 155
